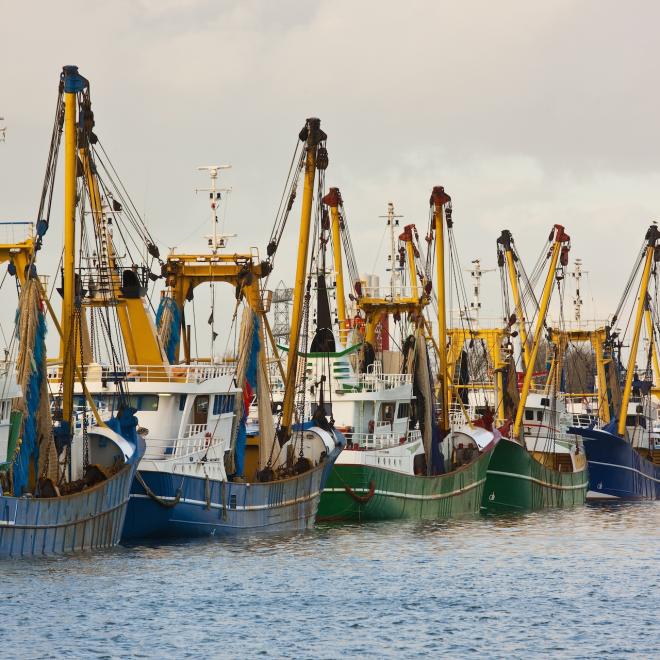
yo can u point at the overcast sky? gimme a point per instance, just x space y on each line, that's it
529 113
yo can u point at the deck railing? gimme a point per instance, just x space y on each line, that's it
149 373
380 440
391 292
163 449
194 429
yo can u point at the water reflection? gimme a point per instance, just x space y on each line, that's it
557 582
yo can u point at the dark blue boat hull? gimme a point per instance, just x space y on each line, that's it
186 506
616 469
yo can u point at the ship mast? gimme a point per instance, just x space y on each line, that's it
313 136
73 84
560 237
651 238
438 200
333 200
215 240
395 276
506 242
577 299
476 273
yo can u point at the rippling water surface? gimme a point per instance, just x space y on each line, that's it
580 583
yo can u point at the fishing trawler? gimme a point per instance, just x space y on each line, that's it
198 477
622 447
399 462
64 488
537 462
201 475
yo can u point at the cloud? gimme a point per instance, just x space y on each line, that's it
528 113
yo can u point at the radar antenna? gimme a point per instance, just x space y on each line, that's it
215 240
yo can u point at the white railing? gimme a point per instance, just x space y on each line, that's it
457 416
194 429
167 449
371 383
150 373
380 440
390 293
375 379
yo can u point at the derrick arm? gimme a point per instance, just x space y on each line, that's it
505 243
439 198
653 348
652 236
412 254
138 330
333 200
313 137
558 247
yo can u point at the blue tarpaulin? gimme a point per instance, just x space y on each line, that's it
167 303
29 449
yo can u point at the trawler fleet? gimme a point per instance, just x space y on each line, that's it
373 405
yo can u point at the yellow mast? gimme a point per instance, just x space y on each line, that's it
597 340
407 238
137 327
560 237
652 345
313 135
73 83
505 240
438 199
651 238
333 200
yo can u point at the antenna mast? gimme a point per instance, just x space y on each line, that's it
576 274
395 273
215 240
476 273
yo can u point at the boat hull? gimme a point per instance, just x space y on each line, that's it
616 469
89 520
188 506
365 492
517 482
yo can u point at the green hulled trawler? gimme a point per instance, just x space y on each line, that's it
401 460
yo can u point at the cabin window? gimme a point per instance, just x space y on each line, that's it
145 402
539 415
223 404
403 410
529 415
182 402
201 409
327 409
636 420
387 412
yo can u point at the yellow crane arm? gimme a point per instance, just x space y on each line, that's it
560 237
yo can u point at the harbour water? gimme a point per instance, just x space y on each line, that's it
580 583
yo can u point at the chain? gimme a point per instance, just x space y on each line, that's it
78 336
303 362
